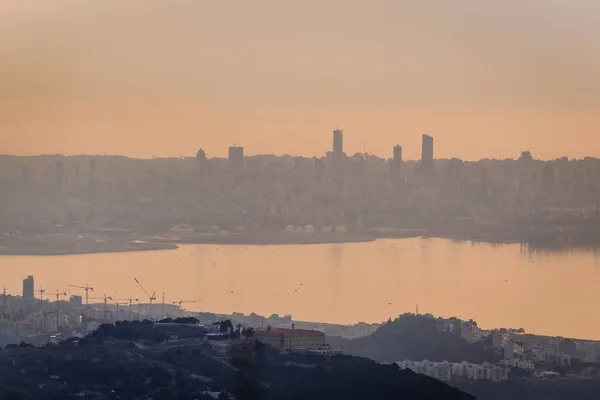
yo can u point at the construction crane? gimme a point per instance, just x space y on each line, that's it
41 292
58 294
180 302
105 298
130 300
151 298
117 304
86 288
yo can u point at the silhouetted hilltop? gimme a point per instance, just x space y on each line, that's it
413 337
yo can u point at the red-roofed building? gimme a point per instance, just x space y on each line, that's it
292 339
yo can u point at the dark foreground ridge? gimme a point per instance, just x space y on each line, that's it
139 360
425 339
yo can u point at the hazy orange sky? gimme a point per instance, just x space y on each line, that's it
164 78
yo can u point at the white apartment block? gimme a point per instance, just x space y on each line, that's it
447 371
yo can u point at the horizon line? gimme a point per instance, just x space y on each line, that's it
183 157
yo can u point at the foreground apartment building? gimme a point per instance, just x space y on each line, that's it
447 371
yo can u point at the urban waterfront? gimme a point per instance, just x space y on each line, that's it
496 285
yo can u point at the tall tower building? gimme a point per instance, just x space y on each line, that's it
338 141
28 288
427 149
396 163
236 158
397 153
427 156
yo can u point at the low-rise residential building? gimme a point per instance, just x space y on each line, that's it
552 358
518 363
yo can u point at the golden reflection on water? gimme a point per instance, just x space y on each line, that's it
498 286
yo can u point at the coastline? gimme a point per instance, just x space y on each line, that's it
119 247
52 247
269 239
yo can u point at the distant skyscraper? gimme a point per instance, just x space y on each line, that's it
338 141
398 153
427 157
28 288
427 149
236 158
396 163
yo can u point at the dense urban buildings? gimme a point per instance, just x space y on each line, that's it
542 203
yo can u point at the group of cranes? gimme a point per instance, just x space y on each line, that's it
117 301
180 302
105 298
130 300
151 298
87 289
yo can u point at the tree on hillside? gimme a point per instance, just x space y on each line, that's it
226 326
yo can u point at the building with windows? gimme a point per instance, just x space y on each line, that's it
292 339
448 371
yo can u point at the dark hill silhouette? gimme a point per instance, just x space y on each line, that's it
413 337
132 360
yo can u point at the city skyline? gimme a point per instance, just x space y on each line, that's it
217 74
239 151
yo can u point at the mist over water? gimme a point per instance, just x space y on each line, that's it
498 286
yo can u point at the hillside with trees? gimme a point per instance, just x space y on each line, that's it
413 337
133 360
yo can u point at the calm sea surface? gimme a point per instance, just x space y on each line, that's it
498 286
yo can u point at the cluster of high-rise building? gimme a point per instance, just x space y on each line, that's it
336 158
363 192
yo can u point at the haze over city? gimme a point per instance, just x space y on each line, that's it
319 199
164 78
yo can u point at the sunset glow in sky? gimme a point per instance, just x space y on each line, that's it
164 78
